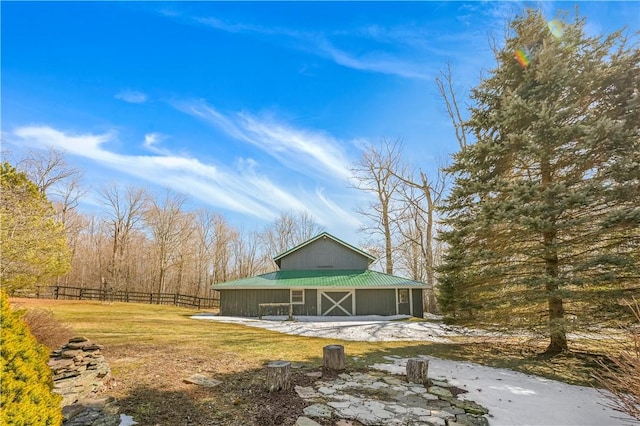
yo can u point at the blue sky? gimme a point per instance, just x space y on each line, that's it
250 108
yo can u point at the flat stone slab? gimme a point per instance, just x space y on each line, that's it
467 420
437 390
306 392
59 364
72 353
435 421
306 421
339 404
318 410
468 406
202 380
419 411
343 422
392 380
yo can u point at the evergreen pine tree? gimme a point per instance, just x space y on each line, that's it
544 217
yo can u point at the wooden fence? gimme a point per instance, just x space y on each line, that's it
107 295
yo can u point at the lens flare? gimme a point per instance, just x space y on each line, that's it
556 27
523 57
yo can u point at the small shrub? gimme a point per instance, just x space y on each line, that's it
46 329
622 377
25 385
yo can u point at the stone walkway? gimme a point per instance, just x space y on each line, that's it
375 398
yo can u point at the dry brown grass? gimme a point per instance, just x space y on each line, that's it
622 376
151 349
46 328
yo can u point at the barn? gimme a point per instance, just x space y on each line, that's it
323 276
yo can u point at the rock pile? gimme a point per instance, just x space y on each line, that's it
79 370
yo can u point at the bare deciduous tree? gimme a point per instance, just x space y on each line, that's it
421 199
125 209
246 255
168 226
48 170
373 173
448 93
288 230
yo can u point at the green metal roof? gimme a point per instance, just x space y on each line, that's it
317 237
320 279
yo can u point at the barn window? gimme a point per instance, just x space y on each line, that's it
297 297
403 295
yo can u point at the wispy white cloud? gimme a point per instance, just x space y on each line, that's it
298 148
151 142
337 212
383 63
385 60
240 188
131 96
309 152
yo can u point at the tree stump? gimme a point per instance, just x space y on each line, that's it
278 375
417 370
333 357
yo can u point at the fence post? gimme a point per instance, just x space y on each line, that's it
80 293
56 292
175 299
150 298
199 303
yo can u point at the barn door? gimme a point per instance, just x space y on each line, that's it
336 303
404 302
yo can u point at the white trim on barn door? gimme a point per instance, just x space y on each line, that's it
334 303
411 302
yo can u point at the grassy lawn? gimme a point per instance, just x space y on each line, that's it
152 348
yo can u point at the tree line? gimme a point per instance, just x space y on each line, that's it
144 241
140 240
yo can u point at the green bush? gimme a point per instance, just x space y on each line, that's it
26 382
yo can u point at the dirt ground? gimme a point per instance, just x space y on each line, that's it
148 383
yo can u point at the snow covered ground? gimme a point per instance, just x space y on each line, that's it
515 398
369 328
512 398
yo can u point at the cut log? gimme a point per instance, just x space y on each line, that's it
333 357
278 375
417 370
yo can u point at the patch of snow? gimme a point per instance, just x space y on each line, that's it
514 398
367 328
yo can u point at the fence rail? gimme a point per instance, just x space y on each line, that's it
107 295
